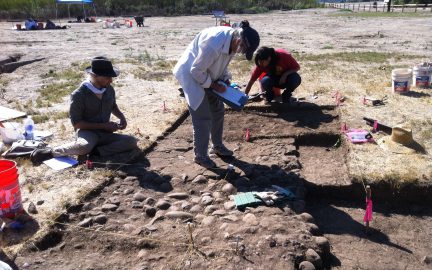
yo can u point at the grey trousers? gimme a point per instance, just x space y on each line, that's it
106 144
207 120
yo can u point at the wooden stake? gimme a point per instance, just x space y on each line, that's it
191 240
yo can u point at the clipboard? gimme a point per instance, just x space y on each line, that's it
233 97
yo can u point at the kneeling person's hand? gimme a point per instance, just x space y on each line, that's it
123 124
111 126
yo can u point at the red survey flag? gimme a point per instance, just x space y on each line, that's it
368 214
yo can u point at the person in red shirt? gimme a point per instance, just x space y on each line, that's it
280 70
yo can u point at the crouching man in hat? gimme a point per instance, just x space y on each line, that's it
203 64
90 111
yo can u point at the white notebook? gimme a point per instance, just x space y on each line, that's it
61 163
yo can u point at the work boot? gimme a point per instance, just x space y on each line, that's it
134 155
221 150
255 97
278 99
40 155
205 161
82 159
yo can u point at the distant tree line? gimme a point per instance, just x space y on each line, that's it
401 2
46 8
396 2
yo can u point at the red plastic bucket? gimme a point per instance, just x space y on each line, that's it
10 194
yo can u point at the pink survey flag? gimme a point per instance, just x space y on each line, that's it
368 214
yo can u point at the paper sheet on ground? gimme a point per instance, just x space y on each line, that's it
42 134
61 163
7 114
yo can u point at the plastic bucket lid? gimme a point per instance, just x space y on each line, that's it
8 173
402 72
422 70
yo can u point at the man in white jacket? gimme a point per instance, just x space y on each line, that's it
203 64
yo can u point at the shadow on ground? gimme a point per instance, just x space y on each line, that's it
416 94
18 230
303 114
332 220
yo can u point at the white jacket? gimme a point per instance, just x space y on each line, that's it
204 61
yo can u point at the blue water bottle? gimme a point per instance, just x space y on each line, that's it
29 128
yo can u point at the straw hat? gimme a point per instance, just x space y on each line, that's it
401 141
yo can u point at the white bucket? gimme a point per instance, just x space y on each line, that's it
422 76
401 80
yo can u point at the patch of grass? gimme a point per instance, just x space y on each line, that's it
40 118
317 66
396 179
165 64
30 109
345 10
70 74
129 61
160 70
425 126
30 187
358 57
23 107
54 93
378 14
3 84
81 66
106 173
322 90
147 74
256 10
45 185
240 66
64 83
144 57
327 47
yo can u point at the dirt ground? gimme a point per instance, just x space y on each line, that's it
145 57
139 218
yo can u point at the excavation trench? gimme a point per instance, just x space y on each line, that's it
10 63
146 205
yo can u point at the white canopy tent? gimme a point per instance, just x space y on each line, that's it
76 2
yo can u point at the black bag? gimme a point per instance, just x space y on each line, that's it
50 25
23 148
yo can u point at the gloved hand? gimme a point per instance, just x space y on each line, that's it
267 197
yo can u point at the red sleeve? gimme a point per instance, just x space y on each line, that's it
287 61
256 73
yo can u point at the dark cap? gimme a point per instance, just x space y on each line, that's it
251 39
101 66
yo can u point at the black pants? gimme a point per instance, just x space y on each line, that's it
292 82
